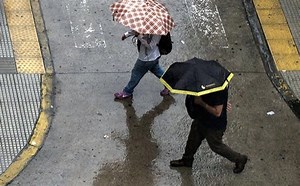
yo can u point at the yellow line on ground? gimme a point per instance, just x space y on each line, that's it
278 34
24 38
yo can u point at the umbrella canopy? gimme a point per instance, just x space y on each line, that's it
196 77
143 16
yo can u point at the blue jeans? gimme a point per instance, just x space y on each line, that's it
139 70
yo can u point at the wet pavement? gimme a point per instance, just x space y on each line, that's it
94 140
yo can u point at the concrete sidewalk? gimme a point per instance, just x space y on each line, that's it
27 74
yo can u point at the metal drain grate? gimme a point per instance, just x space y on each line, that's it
293 80
7 62
19 107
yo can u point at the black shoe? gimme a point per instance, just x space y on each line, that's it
181 163
239 166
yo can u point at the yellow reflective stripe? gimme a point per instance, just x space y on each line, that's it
185 92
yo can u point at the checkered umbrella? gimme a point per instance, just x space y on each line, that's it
143 16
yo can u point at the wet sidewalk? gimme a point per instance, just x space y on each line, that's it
26 72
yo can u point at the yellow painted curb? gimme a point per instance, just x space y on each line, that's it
42 124
17 166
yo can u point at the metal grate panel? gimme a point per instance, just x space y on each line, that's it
7 62
19 106
6 50
293 80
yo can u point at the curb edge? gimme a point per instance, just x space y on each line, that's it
267 58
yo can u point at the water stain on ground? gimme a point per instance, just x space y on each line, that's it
141 149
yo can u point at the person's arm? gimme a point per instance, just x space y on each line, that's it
214 110
154 41
128 34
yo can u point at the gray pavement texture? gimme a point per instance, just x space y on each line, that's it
94 140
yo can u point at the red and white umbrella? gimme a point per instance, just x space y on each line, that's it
143 16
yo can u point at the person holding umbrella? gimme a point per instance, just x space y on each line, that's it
206 86
210 124
148 20
148 60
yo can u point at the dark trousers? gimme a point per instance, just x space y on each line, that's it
198 133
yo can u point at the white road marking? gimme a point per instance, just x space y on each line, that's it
205 18
86 32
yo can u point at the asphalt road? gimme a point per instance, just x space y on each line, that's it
94 140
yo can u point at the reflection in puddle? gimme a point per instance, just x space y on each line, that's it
141 149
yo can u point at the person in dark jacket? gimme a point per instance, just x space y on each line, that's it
210 120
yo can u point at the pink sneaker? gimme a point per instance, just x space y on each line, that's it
122 95
165 92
